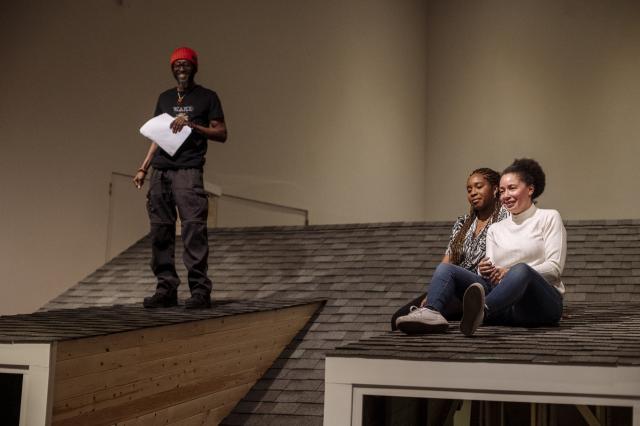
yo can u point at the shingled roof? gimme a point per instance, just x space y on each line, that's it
594 333
67 324
364 271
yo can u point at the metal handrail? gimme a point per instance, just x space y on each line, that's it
297 210
305 212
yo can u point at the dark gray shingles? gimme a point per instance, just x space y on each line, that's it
590 334
66 324
365 271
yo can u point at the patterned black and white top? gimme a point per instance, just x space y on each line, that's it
473 249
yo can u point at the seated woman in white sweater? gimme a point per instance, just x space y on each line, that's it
521 274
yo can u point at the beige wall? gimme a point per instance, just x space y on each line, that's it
324 101
557 80
359 110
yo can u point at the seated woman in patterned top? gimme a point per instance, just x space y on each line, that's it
467 243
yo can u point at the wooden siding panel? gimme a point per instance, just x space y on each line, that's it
148 384
116 342
115 359
196 370
209 409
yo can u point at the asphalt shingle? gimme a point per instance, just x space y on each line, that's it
589 334
66 324
365 272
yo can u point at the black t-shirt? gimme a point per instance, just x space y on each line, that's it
201 106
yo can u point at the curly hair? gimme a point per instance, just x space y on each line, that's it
456 253
530 172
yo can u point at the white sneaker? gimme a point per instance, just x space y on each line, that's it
472 309
422 321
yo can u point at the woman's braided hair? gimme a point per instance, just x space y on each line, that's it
530 172
457 245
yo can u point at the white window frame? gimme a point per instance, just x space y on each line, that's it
348 380
33 362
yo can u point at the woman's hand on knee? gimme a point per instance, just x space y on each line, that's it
485 267
498 274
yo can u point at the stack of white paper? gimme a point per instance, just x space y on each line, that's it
157 129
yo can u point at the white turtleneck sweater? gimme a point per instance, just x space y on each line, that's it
536 237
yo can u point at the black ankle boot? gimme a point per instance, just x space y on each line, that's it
198 301
161 300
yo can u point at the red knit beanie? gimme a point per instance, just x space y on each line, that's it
184 53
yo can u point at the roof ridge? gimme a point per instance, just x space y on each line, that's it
403 224
334 226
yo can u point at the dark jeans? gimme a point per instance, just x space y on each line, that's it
184 189
522 298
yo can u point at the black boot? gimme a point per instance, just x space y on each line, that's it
161 300
198 301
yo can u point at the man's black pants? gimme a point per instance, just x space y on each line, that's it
184 189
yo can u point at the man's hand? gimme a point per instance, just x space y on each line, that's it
138 179
179 122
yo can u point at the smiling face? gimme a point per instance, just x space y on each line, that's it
515 194
480 193
183 71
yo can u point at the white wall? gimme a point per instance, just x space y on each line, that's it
324 102
557 80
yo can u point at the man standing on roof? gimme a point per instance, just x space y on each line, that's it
176 181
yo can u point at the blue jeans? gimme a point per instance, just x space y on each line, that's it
522 298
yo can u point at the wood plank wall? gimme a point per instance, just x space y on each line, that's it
188 374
